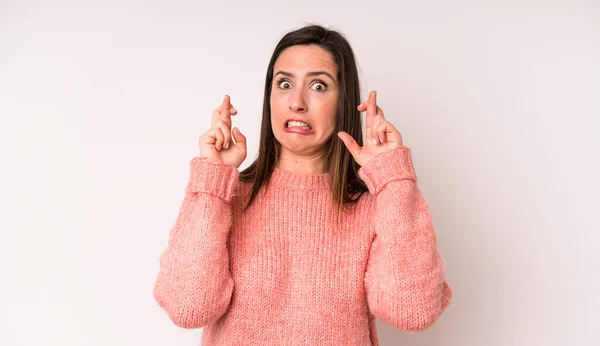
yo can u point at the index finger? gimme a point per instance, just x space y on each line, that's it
223 112
371 108
225 108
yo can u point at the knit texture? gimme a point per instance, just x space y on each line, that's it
285 272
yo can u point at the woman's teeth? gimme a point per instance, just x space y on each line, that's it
298 124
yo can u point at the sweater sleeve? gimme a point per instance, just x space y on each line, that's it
194 284
404 279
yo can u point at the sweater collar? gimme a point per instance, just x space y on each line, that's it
299 181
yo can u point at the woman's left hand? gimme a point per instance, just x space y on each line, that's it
381 135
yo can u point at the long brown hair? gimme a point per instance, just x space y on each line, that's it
346 186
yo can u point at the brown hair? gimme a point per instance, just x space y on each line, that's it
346 186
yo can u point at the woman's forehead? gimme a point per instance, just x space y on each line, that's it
302 60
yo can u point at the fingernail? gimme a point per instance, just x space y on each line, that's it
380 140
233 109
375 141
227 146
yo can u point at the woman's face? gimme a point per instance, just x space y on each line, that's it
305 91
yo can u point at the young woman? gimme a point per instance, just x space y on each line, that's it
320 234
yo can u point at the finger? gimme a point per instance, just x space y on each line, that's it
218 110
379 122
216 134
240 140
210 137
363 107
224 120
230 109
226 104
226 130
350 143
216 121
382 129
224 111
371 108
373 130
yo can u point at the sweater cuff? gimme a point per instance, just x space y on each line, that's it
212 177
395 164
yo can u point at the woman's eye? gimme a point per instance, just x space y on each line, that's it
318 86
284 85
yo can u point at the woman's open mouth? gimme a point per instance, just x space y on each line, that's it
300 127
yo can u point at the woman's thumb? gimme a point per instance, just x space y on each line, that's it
240 139
350 143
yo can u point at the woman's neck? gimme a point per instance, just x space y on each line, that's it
313 164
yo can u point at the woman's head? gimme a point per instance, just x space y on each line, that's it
312 77
304 91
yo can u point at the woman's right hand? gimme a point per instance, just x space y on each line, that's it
216 143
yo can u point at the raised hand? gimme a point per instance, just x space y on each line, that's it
216 143
381 135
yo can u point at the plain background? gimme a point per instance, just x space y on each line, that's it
102 104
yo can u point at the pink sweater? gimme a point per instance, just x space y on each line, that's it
285 273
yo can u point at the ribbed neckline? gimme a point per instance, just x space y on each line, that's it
299 181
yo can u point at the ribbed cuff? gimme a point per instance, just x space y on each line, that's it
395 164
212 177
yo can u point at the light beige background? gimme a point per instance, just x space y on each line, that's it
102 104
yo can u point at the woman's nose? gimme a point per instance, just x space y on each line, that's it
297 101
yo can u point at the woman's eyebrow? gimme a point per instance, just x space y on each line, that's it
310 74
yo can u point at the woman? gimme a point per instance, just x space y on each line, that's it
321 234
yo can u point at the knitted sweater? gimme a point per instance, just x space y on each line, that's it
284 272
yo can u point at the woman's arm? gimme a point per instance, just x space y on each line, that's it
194 284
404 279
